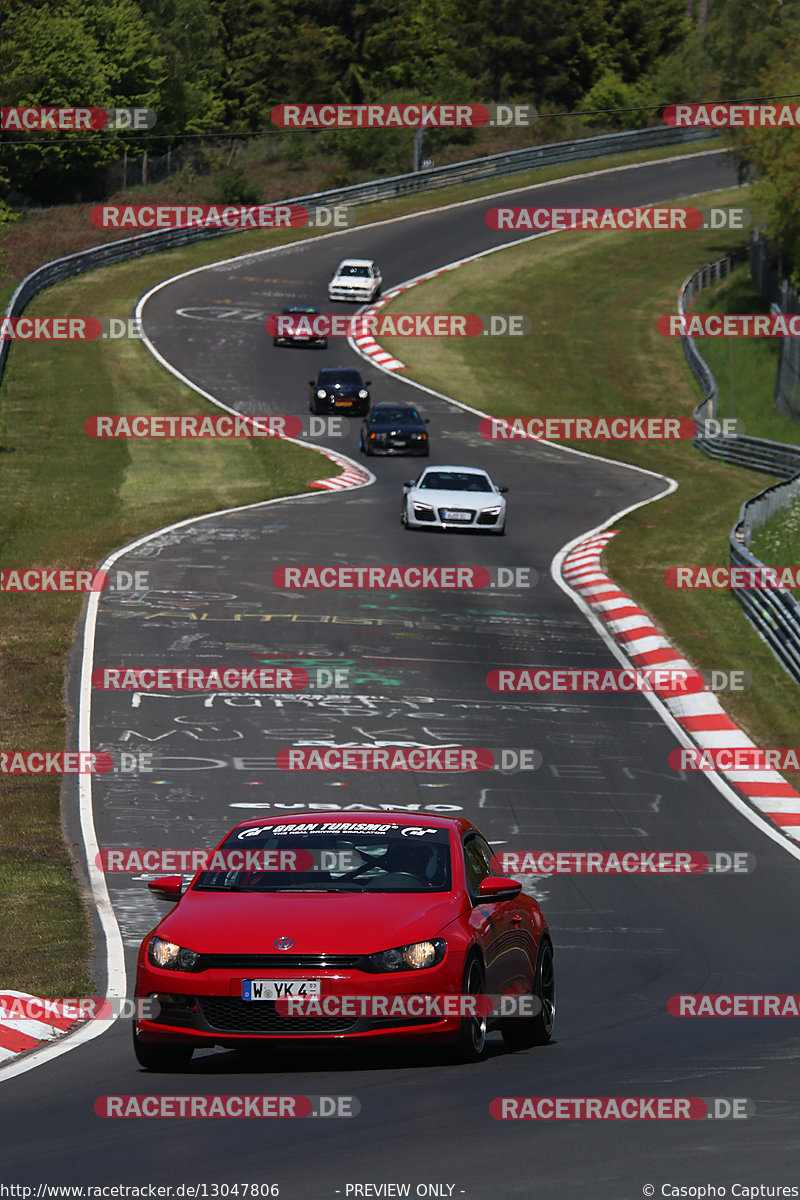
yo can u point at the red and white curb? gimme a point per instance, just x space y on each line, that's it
351 476
20 1034
700 714
367 344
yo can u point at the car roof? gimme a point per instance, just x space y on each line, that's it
471 470
356 262
355 370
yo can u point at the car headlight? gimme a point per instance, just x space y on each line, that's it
419 437
169 956
413 957
495 512
363 394
321 394
422 507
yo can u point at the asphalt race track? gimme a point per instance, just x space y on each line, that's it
418 663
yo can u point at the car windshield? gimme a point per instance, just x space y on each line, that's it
350 378
454 481
316 856
384 416
358 272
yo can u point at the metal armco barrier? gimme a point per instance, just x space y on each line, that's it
359 193
774 612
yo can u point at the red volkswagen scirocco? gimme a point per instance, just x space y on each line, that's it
395 909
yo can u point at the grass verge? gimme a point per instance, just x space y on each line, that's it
66 500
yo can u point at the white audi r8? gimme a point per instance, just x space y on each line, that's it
454 498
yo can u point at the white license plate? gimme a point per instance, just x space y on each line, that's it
450 515
279 989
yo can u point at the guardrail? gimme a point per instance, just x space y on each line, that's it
359 193
773 612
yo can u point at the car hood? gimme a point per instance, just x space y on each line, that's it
341 389
320 923
456 499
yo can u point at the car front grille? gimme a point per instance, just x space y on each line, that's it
229 1014
277 962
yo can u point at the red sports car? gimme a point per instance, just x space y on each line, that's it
378 926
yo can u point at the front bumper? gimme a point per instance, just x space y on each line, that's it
300 340
389 447
358 295
357 408
207 1008
435 520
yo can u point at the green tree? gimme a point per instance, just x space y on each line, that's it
188 34
774 153
78 53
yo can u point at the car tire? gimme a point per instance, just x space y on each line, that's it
404 516
161 1056
471 1044
523 1032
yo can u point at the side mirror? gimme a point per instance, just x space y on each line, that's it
311 383
494 888
367 383
169 887
502 490
409 482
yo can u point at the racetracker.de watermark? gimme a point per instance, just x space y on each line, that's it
63 119
196 1107
745 114
55 762
158 861
346 578
414 1007
740 578
747 325
408 758
205 679
401 116
223 425
385 758
21 579
665 681
614 429
62 1012
543 220
735 758
731 1004
384 324
218 216
620 1108
623 862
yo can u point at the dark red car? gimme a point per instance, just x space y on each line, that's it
387 907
